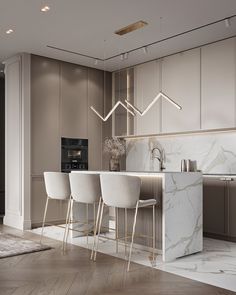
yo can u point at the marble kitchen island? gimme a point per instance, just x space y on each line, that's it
179 224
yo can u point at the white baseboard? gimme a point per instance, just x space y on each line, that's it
16 221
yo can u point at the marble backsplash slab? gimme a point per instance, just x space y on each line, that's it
214 153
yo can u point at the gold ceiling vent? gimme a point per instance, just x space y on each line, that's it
130 28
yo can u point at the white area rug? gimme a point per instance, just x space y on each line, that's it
12 245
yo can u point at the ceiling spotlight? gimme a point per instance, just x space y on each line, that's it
95 61
9 31
126 54
145 50
45 8
227 22
122 56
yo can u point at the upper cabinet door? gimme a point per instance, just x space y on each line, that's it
218 85
146 88
74 101
181 82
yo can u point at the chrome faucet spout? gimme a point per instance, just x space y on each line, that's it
160 158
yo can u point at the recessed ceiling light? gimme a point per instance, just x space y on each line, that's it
227 22
45 8
130 28
9 31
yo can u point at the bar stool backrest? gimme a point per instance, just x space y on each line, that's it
57 185
120 191
85 187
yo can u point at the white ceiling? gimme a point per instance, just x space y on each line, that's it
83 25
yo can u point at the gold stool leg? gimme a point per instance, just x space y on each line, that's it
68 228
133 232
96 228
126 231
117 228
99 230
44 217
153 233
87 208
67 224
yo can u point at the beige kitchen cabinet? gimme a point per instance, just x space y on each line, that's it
45 126
74 101
95 99
181 82
123 88
232 208
218 85
214 206
219 203
147 86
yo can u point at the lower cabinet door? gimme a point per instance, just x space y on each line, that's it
214 206
232 208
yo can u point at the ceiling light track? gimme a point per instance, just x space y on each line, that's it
77 53
177 35
226 21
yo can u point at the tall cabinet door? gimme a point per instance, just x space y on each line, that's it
181 82
218 85
95 99
45 135
74 102
146 88
232 208
45 132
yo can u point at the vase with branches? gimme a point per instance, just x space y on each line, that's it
115 147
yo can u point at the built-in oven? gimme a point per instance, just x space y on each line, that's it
74 154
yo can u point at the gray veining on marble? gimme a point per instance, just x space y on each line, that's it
214 153
181 211
182 215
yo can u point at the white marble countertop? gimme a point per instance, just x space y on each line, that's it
220 175
137 172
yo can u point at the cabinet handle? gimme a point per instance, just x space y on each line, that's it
222 178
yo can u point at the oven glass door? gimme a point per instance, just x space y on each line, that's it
74 154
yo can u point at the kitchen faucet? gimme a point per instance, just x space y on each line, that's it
160 158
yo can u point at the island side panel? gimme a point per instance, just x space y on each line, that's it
182 217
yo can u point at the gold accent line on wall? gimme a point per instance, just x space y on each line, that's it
159 95
111 111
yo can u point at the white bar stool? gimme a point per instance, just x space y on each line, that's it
86 189
57 188
123 191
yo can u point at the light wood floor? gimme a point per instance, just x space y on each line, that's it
51 272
